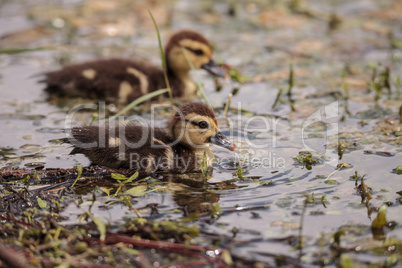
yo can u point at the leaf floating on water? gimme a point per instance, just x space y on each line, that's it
381 220
380 153
344 166
215 211
306 159
26 179
267 183
227 258
119 177
346 261
391 261
398 170
81 247
106 190
35 164
101 227
42 203
137 190
132 177
240 173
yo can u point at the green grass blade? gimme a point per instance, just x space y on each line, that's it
199 85
79 170
162 53
163 59
22 50
138 101
227 106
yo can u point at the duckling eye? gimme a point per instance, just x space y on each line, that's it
203 124
198 52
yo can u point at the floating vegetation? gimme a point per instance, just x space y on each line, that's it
398 170
380 80
346 96
307 160
363 189
290 99
124 180
267 183
341 150
381 220
356 177
239 174
380 153
290 87
235 74
400 197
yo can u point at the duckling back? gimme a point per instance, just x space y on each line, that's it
136 147
112 80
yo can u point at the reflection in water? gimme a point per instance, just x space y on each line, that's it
195 202
199 196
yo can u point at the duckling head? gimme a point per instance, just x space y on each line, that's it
188 45
195 125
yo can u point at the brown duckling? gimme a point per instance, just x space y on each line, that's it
122 81
180 149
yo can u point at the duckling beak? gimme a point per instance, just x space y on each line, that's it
214 69
222 140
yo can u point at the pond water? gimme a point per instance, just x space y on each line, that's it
340 52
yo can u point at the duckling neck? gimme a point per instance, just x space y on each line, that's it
187 87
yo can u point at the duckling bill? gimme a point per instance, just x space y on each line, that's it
180 148
122 81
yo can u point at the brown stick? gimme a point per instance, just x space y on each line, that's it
190 250
12 259
20 222
142 261
116 238
91 171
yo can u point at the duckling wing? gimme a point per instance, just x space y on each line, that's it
134 147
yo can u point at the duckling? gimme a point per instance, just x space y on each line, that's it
180 148
120 81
